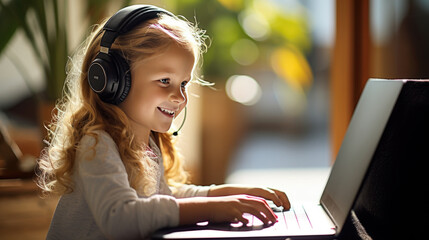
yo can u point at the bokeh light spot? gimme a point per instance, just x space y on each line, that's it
244 51
243 89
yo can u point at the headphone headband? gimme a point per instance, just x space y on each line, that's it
126 19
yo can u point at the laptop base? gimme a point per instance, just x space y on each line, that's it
294 224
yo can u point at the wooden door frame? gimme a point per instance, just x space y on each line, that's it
350 65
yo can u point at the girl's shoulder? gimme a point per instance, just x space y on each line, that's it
100 152
97 137
98 140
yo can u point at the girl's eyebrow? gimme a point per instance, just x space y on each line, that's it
169 70
165 69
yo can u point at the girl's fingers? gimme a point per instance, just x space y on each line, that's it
241 204
265 205
240 218
283 198
259 208
269 194
275 198
279 198
264 218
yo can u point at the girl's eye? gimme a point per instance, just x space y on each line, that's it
184 83
165 81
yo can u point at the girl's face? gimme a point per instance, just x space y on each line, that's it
158 90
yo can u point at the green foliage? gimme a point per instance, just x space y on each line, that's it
43 23
224 22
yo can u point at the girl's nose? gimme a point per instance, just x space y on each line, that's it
178 96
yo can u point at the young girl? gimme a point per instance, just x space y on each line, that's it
114 163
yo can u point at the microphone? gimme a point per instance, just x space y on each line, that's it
175 133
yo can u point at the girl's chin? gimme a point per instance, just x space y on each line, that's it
162 130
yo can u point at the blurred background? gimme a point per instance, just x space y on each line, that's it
287 76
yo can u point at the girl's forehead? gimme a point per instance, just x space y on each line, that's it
173 50
173 58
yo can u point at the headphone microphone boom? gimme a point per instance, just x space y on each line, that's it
175 133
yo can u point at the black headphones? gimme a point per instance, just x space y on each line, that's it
109 74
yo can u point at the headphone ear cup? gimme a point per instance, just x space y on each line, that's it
110 77
124 78
103 77
127 87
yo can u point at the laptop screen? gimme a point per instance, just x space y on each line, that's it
360 141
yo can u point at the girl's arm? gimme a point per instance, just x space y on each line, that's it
278 197
120 213
187 190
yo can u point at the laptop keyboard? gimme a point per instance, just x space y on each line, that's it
294 219
297 218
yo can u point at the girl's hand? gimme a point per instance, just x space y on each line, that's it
278 197
224 209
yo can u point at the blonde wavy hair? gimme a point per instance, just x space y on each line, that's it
80 111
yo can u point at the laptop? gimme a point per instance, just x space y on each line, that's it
325 219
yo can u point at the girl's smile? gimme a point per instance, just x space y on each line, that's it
158 90
167 112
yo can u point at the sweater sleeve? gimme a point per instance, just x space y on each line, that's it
115 206
185 191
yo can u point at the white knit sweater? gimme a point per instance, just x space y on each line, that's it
104 206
